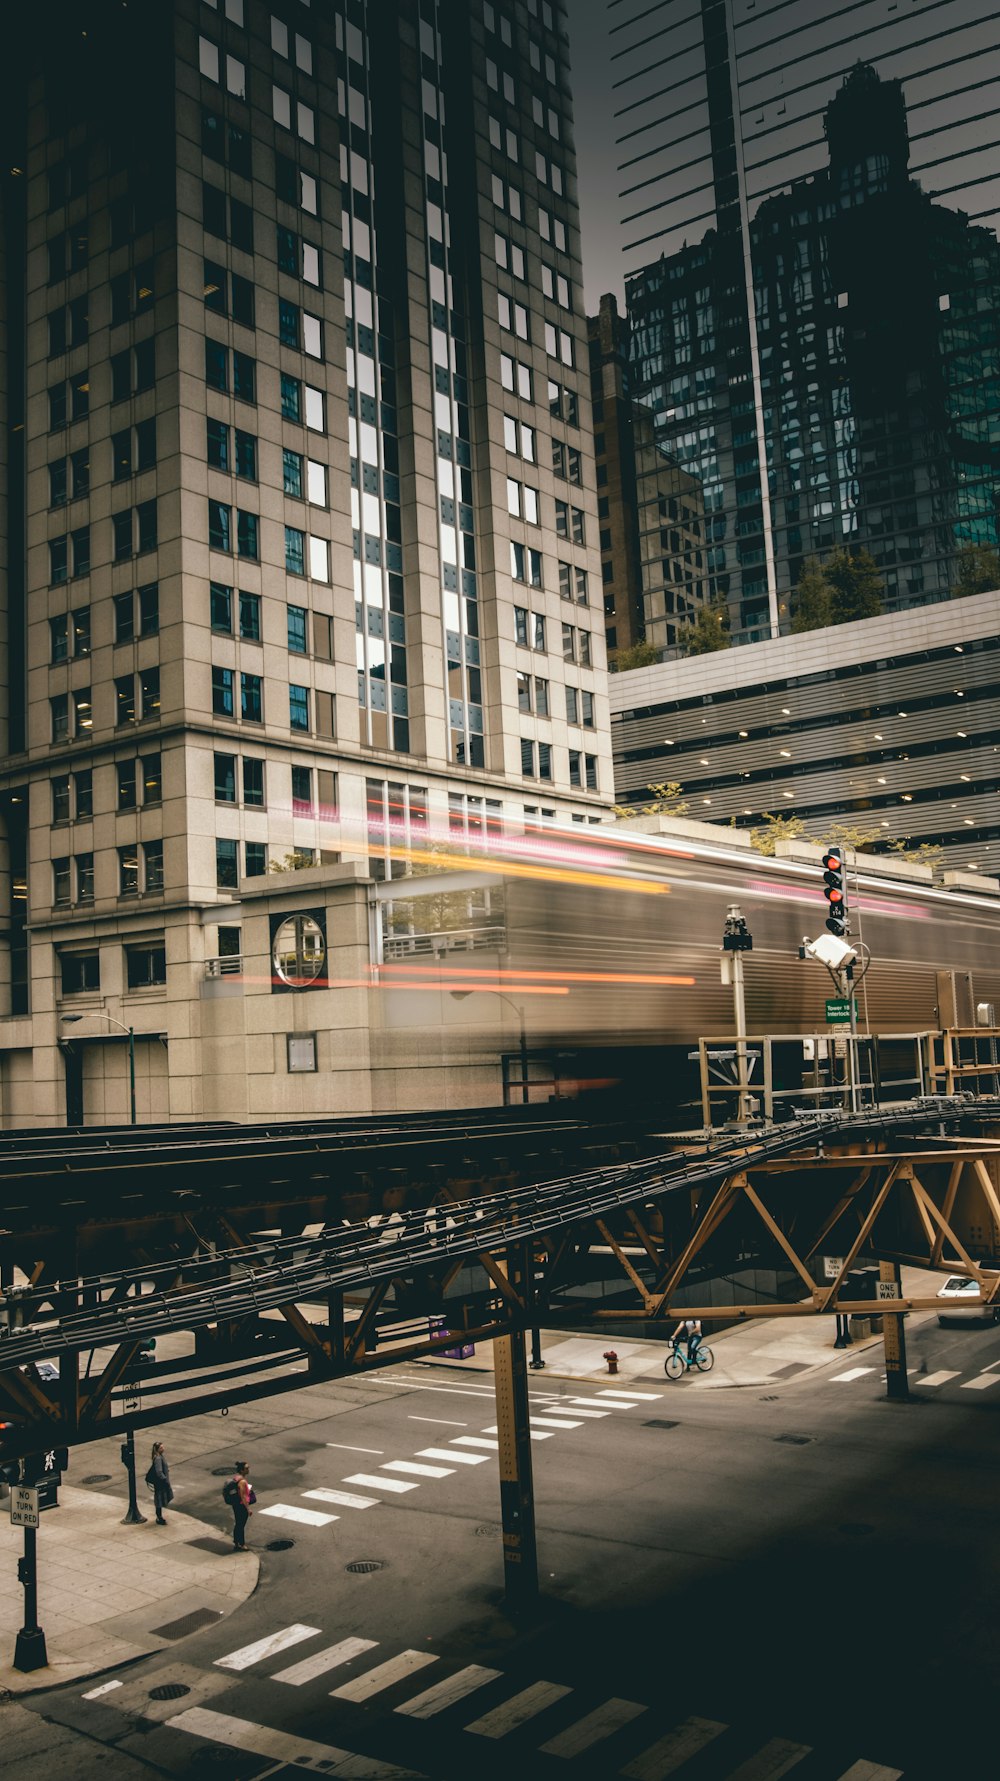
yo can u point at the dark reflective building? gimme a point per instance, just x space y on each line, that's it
817 339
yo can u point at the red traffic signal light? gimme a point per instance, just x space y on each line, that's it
835 890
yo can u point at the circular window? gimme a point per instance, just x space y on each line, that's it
299 951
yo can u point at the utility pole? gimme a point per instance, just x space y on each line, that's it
737 940
893 1335
133 1517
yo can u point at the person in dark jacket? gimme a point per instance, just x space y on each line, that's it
244 1497
162 1493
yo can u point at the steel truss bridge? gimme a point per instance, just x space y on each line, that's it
301 1253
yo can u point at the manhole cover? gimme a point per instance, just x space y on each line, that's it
361 1566
795 1440
169 1691
659 1422
97 1478
223 1471
280 1545
488 1528
856 1528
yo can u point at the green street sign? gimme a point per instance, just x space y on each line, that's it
838 1011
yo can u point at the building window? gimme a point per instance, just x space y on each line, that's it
152 867
220 526
84 863
61 882
125 699
149 691
220 600
292 473
250 618
247 541
80 972
60 798
225 778
302 797
59 712
255 857
246 455
251 698
253 782
150 772
218 444
297 629
222 692
125 774
295 551
298 707
128 871
146 965
527 758
227 871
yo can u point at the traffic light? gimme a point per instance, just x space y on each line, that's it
835 891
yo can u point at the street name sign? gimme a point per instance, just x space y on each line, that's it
23 1505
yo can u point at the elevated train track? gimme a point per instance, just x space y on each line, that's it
916 1183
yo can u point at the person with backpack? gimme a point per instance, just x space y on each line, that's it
240 1496
158 1479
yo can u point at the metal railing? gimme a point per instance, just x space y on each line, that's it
964 1058
230 966
827 1074
435 945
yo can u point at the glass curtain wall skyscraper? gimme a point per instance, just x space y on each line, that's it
810 198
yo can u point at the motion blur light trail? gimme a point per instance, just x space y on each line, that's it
504 975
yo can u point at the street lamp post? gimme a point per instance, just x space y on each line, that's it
71 1019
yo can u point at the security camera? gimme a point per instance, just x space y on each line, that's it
830 951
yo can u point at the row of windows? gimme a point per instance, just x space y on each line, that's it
241 779
310 709
575 642
139 780
533 700
145 966
140 871
536 763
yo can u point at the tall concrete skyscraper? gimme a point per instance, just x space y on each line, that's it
295 377
810 201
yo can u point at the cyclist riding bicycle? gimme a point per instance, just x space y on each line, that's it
689 1327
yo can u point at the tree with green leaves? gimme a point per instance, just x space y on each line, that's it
844 588
640 655
772 829
664 800
707 631
978 571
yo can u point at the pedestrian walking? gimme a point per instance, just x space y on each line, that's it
159 1477
240 1495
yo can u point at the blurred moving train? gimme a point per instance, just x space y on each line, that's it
610 940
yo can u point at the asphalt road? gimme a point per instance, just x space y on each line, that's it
742 1583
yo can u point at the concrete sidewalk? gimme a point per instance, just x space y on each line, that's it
109 1594
759 1351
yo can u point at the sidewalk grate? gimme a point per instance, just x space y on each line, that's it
659 1422
362 1566
97 1478
169 1691
488 1528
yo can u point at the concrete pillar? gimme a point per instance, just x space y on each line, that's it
894 1339
517 1502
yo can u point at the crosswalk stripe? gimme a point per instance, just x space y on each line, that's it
572 1408
475 1441
290 1512
460 1459
639 1397
269 1647
670 1753
416 1469
379 1482
551 1422
540 1435
322 1661
937 1378
981 1381
445 1694
94 1694
774 1758
871 1771
852 1373
344 1497
286 1747
603 1722
361 1688
596 1403
518 1710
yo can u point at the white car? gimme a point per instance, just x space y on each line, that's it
961 1298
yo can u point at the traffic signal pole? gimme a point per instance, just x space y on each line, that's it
133 1516
29 1649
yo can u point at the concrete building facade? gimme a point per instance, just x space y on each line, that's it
294 366
890 726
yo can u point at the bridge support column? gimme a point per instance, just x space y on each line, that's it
894 1339
517 1502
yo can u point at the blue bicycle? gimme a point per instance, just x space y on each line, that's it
679 1361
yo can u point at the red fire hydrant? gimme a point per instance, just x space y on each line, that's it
612 1360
